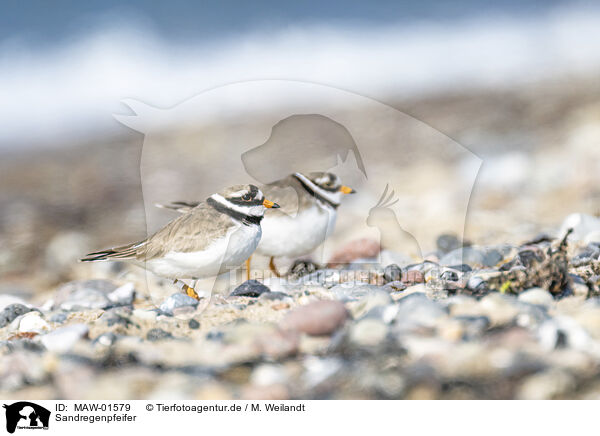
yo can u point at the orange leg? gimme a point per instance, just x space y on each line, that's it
186 289
248 268
273 268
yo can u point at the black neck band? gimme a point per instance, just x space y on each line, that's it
315 194
246 219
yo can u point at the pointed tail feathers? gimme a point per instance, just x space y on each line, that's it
179 206
124 252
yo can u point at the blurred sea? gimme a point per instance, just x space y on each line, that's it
66 88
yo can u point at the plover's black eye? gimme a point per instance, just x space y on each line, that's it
246 197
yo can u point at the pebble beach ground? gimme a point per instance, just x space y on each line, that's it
471 322
507 310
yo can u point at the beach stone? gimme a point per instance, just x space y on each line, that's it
416 310
582 225
250 288
106 339
447 242
537 296
546 385
368 332
123 295
193 324
268 374
392 273
368 302
7 299
317 319
324 277
271 296
500 309
468 255
564 332
176 301
158 335
357 249
353 291
84 295
11 312
63 339
58 318
33 322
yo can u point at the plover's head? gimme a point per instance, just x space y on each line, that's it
246 200
325 186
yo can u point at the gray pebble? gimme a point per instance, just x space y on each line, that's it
250 288
158 335
175 301
11 312
392 273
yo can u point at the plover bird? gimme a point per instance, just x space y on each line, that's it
305 219
208 239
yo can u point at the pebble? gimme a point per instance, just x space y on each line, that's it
352 291
158 335
537 296
416 310
317 319
63 339
358 249
250 288
447 242
84 295
270 296
176 301
193 324
123 295
582 225
33 322
11 312
392 273
368 332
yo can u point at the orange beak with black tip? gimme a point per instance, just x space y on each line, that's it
269 204
347 190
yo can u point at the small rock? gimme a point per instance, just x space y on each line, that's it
416 310
11 312
123 295
447 242
33 322
537 296
250 288
581 224
176 301
106 339
193 324
352 291
392 273
84 295
274 296
268 374
357 249
317 318
158 335
58 318
368 332
63 339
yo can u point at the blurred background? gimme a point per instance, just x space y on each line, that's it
514 83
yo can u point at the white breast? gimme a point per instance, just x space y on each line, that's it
225 253
296 236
